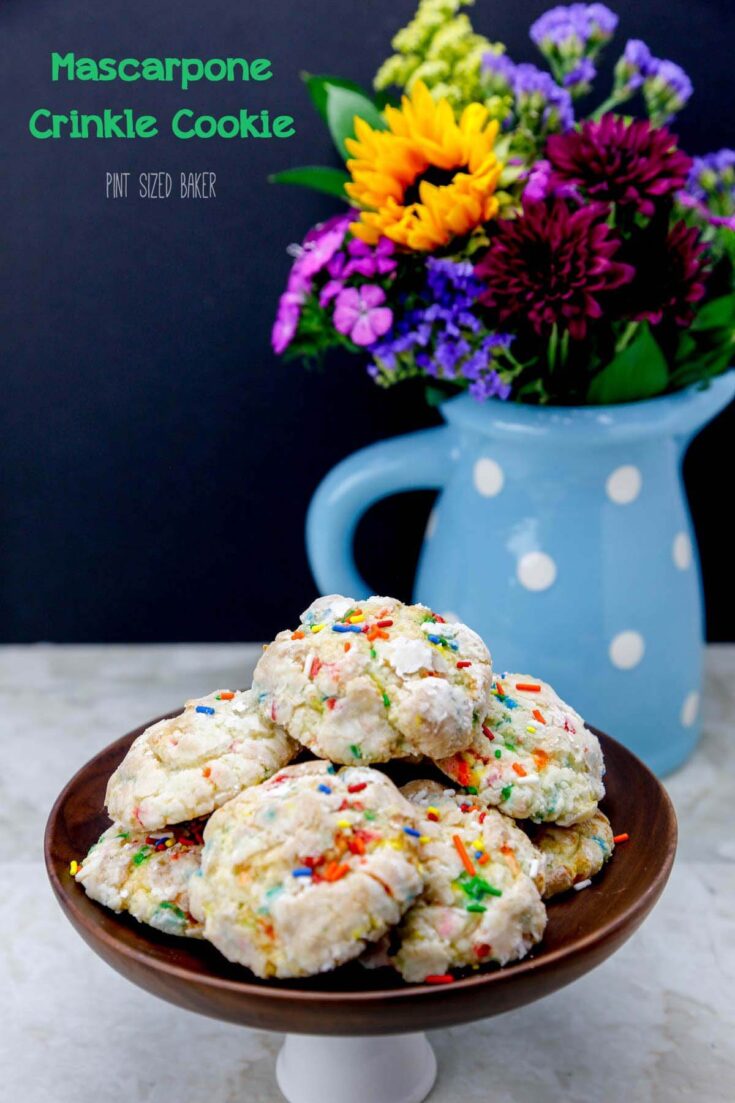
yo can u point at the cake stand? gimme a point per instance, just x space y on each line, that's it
356 1035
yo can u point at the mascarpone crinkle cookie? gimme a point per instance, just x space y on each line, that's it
145 875
482 898
574 854
191 764
532 756
301 873
367 681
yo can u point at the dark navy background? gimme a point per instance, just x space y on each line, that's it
156 460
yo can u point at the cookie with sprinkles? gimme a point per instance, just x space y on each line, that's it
573 855
191 764
145 875
532 755
482 900
301 873
376 679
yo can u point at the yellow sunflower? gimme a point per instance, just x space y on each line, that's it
426 179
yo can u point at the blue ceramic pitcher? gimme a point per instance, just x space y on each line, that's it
562 535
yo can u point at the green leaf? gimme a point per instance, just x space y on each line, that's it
317 88
639 371
715 314
318 177
342 105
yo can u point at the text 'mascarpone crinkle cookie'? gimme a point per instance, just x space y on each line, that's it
190 764
531 756
367 681
301 873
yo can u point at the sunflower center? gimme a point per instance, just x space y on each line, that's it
432 175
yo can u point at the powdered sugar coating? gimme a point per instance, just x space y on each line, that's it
150 880
532 756
189 765
494 914
301 873
573 854
373 680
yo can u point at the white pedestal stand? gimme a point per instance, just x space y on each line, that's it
390 1068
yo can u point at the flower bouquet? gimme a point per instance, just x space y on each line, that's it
507 235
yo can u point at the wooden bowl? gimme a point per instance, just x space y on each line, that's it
583 929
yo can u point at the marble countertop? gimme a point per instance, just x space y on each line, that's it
653 1024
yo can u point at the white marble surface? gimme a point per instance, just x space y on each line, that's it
654 1024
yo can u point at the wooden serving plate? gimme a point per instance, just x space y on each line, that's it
583 929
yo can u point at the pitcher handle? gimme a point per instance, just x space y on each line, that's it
416 461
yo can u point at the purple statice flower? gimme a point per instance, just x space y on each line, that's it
534 90
710 188
499 67
314 254
578 80
537 92
490 385
602 21
452 285
360 315
712 173
666 90
571 30
441 334
636 65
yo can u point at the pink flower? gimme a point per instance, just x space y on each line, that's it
360 315
321 243
330 291
318 247
287 320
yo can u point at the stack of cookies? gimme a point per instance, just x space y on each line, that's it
293 869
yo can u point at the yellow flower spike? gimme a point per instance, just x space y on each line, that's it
427 178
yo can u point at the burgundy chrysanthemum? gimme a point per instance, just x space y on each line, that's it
671 271
551 265
613 161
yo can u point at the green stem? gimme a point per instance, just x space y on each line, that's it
612 101
564 347
553 347
627 336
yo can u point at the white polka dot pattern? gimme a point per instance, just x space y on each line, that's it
536 570
624 485
626 649
488 477
681 551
